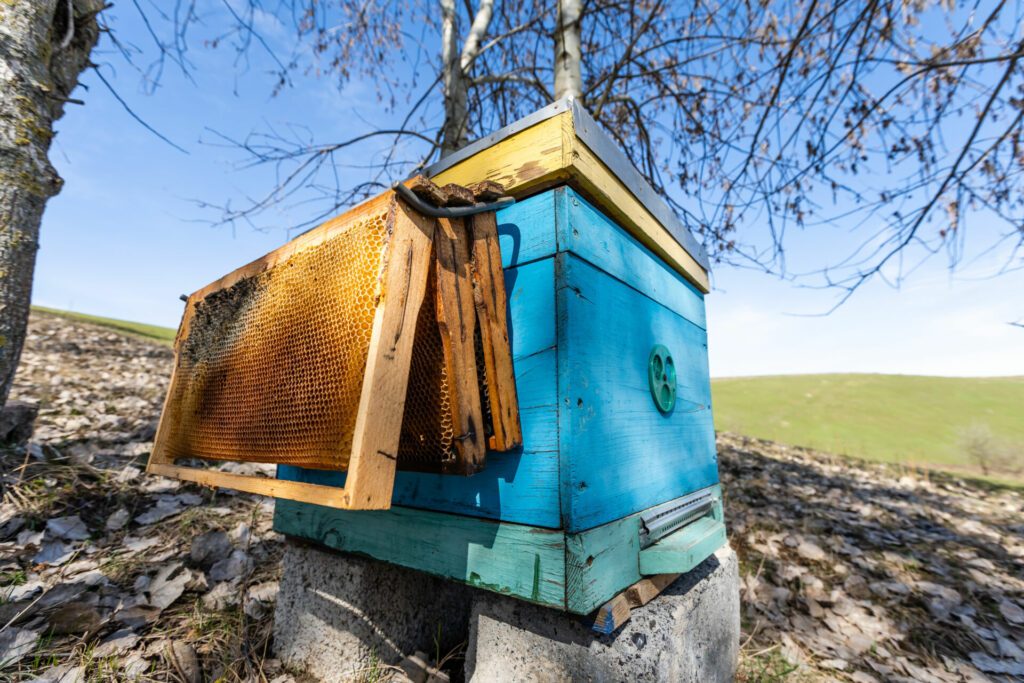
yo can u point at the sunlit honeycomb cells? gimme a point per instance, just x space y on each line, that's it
271 369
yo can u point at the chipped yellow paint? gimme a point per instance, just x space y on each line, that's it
550 153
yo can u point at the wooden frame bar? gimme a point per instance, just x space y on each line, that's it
373 459
456 317
492 314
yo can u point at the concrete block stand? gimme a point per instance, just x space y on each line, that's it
337 614
688 633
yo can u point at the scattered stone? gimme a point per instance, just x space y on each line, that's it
232 567
116 643
69 528
117 521
260 599
138 616
139 544
164 508
810 551
167 585
221 596
54 553
15 643
25 591
17 422
1012 612
209 548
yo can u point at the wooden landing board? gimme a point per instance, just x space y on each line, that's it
550 153
616 612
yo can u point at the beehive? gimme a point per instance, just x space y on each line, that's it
617 474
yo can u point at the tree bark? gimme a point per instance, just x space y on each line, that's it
457 66
456 93
44 47
568 52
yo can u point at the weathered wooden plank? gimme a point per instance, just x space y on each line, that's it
619 454
685 549
512 559
522 164
458 195
456 319
601 562
487 191
648 588
550 153
616 612
371 467
264 486
492 316
427 191
611 615
519 486
595 238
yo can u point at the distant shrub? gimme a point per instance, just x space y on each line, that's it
989 453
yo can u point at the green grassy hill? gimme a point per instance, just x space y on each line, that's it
164 335
931 421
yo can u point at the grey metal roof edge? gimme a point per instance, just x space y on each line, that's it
590 132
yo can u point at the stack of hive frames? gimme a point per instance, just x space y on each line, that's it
273 361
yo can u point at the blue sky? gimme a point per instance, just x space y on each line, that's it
125 237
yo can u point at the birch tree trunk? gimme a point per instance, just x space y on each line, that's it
457 66
568 53
44 46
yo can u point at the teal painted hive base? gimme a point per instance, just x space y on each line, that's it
557 522
575 572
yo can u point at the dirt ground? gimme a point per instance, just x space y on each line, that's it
850 572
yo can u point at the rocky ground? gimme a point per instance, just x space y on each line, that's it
107 574
863 572
850 572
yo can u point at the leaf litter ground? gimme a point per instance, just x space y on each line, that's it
849 571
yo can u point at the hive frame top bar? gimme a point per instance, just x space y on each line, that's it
591 134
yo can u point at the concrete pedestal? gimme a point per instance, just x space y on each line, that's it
339 617
688 633
338 614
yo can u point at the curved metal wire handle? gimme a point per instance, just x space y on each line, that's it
448 211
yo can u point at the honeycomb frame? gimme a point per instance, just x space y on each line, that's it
398 297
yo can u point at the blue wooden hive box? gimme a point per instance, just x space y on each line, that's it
605 287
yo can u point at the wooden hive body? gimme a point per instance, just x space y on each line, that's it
595 280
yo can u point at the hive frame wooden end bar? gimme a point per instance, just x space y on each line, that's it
373 461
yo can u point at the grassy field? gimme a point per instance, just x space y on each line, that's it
928 421
164 335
